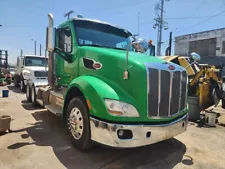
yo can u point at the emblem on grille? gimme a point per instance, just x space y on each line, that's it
171 67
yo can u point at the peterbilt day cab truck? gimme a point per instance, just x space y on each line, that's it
105 92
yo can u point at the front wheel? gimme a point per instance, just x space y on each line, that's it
22 84
33 96
28 93
78 125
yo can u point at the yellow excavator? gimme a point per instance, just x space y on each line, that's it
206 85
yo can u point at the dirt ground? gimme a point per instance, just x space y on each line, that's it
39 140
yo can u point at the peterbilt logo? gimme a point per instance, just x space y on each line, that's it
171 67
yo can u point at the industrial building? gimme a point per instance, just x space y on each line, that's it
208 43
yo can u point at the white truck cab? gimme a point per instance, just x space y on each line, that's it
31 71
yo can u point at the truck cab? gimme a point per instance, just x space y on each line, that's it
107 93
30 67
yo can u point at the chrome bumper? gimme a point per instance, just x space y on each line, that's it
106 133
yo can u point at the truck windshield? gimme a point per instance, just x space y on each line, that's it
35 61
101 35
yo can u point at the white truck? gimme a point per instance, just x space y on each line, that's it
31 72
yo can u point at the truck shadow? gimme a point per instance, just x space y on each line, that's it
14 89
50 131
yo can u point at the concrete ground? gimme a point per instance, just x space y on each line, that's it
39 140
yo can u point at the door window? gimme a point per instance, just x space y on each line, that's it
65 40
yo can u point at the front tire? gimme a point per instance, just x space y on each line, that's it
22 84
28 93
33 96
78 124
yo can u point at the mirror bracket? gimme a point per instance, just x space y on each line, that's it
64 55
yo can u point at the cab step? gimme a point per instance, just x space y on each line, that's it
54 109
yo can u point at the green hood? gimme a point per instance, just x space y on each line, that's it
134 89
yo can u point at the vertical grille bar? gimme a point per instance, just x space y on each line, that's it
153 96
165 92
183 90
174 104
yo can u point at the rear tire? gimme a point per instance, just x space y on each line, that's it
78 124
28 93
16 81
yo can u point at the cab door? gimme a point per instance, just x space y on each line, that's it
64 70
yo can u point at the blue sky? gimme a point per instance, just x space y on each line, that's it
23 20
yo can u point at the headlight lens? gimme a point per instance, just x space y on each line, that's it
26 73
118 108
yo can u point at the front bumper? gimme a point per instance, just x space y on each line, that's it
106 133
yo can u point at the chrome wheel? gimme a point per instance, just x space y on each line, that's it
76 123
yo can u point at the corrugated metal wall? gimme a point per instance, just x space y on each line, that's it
205 48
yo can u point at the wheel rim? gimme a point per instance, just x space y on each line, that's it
76 123
33 94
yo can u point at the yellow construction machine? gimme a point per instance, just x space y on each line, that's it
205 84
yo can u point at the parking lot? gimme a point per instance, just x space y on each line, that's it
39 140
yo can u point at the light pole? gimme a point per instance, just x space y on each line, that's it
34 46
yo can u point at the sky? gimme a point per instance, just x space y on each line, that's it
24 20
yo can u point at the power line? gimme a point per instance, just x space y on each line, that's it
201 3
204 20
191 17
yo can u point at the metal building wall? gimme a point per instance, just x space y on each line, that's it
208 43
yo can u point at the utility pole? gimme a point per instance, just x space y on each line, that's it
34 46
40 49
21 52
138 22
68 14
160 23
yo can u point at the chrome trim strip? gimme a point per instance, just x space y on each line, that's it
170 95
181 79
159 90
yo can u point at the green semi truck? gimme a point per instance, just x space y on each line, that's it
105 92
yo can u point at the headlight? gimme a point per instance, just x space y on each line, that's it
26 73
118 108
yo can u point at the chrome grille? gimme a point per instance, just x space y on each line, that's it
41 74
166 92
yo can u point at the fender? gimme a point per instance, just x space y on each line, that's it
95 90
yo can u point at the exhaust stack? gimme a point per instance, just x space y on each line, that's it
50 40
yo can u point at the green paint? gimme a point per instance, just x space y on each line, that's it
108 81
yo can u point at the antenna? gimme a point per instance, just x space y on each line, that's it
68 14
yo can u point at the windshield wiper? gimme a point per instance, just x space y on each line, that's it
96 45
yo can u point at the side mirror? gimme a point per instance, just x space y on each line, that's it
64 55
196 57
141 45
